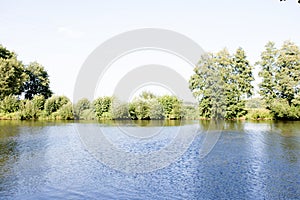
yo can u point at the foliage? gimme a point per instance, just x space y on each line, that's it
102 107
9 104
281 109
54 103
171 106
65 112
139 109
189 112
28 110
221 83
12 74
119 110
280 72
38 82
156 110
255 103
39 101
259 113
79 108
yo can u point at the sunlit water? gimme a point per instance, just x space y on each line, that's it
49 160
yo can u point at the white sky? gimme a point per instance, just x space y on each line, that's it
61 34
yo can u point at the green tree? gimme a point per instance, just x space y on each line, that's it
82 105
119 110
38 82
28 110
102 107
267 73
221 83
280 72
65 112
156 110
54 103
139 109
12 74
287 77
39 101
171 106
9 104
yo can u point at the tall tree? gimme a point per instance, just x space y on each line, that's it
38 82
221 83
268 66
280 87
287 77
12 74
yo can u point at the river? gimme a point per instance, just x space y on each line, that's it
149 160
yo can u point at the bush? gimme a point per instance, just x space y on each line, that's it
139 109
54 103
9 104
64 113
156 110
80 107
171 105
28 110
119 110
256 114
282 110
189 112
39 101
102 105
88 114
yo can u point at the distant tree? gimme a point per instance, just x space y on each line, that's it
38 82
54 103
65 112
287 77
39 101
9 104
171 106
5 53
139 109
221 83
156 110
12 74
102 107
119 110
267 73
280 72
28 110
82 105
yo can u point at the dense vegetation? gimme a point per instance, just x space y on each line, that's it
222 83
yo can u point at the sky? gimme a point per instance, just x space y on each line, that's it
62 34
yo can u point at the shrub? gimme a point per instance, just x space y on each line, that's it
54 103
257 114
119 110
9 104
80 107
39 101
65 112
102 105
28 110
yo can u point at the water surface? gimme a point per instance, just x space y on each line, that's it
251 160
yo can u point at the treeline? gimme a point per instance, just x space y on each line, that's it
222 83
144 107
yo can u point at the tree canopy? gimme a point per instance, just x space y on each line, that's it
12 74
38 82
221 83
15 78
280 73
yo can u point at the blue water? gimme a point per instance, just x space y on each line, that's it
48 160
